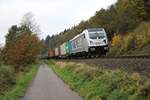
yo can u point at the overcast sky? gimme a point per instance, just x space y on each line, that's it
53 16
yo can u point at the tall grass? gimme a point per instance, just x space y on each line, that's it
22 82
7 78
97 84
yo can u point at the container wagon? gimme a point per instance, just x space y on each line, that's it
63 50
51 53
68 48
56 52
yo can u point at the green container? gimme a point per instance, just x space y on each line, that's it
68 48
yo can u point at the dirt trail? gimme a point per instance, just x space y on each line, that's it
48 86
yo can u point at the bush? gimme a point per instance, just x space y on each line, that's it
23 51
143 35
7 78
116 46
23 80
129 41
117 40
132 41
144 90
122 44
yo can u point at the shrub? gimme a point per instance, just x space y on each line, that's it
143 35
144 90
129 41
117 40
121 44
139 38
23 51
23 80
116 46
7 77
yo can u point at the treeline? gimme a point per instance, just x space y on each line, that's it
120 18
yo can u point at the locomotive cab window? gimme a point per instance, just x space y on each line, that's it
96 35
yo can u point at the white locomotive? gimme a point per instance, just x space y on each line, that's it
91 42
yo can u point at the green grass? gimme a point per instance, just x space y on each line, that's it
23 80
94 84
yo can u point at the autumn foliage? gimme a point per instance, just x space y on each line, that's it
23 51
143 35
116 40
137 39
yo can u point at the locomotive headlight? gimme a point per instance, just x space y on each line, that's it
106 48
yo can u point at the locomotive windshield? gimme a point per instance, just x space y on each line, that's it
96 35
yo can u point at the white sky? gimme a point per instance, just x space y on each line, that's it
53 16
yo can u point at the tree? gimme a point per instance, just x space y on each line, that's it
147 9
23 51
15 32
22 46
12 34
130 13
121 17
28 22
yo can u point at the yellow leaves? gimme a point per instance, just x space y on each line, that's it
121 44
116 40
129 41
133 40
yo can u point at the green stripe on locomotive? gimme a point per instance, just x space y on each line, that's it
68 48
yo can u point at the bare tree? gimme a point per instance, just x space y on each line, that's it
29 21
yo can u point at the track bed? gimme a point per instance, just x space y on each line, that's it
130 64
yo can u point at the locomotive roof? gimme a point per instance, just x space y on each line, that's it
89 30
95 29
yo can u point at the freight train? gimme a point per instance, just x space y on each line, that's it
92 42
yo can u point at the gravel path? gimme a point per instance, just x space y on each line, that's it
48 86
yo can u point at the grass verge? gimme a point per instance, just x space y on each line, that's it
97 84
23 80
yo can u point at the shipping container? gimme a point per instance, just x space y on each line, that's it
63 49
56 52
68 48
51 53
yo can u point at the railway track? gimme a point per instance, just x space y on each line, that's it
135 63
129 56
